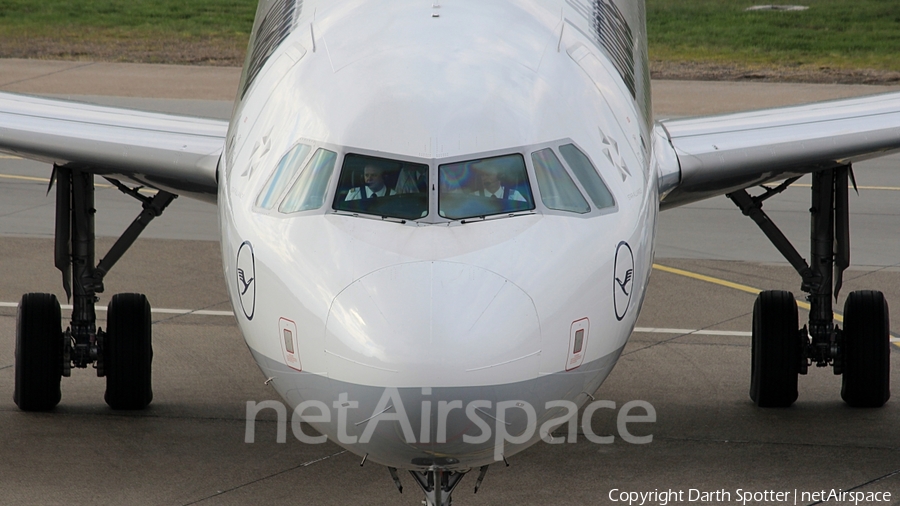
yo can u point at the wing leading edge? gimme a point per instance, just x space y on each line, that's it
178 154
699 158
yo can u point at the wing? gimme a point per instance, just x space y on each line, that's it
177 154
698 158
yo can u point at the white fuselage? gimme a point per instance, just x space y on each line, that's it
437 309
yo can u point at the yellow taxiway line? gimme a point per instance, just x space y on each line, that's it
25 178
744 288
729 284
149 191
883 188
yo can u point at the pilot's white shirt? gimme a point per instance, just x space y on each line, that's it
513 195
354 193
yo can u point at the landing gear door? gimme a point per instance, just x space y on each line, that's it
578 340
287 331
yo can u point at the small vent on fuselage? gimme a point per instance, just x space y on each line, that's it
615 36
275 27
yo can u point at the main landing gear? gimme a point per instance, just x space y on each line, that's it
780 351
123 353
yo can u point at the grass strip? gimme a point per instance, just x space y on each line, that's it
837 34
841 34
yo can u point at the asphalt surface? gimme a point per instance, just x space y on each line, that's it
189 446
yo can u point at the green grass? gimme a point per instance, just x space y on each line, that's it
845 34
128 18
841 34
153 31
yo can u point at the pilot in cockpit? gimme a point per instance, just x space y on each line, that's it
374 186
491 186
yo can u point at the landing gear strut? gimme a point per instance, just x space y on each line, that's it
780 351
123 353
437 484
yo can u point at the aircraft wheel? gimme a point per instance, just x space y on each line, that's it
39 352
775 353
866 350
127 352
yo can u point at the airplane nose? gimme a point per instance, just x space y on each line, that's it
432 323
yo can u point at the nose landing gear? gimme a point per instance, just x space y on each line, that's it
437 484
780 352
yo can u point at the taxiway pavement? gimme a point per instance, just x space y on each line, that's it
189 446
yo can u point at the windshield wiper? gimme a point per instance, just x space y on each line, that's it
473 219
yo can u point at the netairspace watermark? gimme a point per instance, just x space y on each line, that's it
742 496
481 413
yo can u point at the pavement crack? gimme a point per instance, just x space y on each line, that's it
70 413
865 274
47 74
870 482
238 487
5 367
23 210
679 336
191 313
779 443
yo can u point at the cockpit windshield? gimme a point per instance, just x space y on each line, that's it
484 187
548 178
382 187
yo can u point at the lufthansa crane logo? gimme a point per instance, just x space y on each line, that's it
246 279
623 280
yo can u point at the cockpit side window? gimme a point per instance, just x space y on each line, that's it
558 191
282 175
484 187
382 187
309 190
587 175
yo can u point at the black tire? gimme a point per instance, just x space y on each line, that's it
866 350
127 352
39 352
775 353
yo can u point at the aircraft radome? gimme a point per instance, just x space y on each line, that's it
438 221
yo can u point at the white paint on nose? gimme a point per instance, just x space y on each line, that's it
435 324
